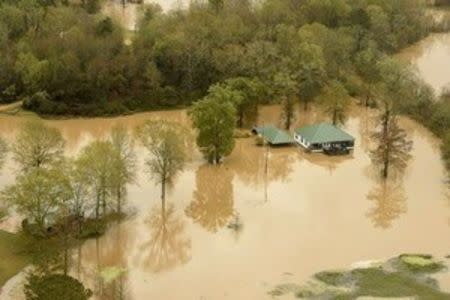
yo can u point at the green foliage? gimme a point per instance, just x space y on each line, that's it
420 263
97 164
336 102
285 89
38 195
166 143
215 121
37 146
68 60
250 93
55 286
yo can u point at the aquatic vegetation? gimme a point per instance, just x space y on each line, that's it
420 263
110 274
391 279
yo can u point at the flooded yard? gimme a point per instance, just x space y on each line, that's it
263 217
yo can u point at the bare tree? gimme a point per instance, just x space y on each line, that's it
125 166
392 144
166 144
37 146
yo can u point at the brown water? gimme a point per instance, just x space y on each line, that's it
306 213
431 57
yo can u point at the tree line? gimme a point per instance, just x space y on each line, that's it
62 57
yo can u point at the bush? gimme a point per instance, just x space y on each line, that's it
419 263
92 228
55 286
39 102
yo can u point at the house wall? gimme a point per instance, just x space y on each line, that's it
319 148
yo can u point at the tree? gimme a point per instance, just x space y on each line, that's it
392 145
335 101
124 167
96 163
55 286
37 146
166 144
215 121
228 93
216 5
38 195
251 91
285 88
309 67
366 66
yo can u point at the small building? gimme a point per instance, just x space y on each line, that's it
324 137
273 135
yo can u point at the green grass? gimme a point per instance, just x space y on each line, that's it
332 277
378 283
407 275
13 254
419 263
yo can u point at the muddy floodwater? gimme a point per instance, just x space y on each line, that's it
431 57
264 217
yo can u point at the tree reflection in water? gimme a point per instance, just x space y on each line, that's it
249 162
168 246
389 202
212 204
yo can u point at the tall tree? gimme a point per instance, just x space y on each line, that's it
366 66
392 144
309 67
227 93
335 101
166 144
215 121
125 166
251 90
37 146
285 88
96 163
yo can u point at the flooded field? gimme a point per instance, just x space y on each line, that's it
264 217
431 57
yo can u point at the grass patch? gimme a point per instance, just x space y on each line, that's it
378 283
401 277
14 256
332 277
419 263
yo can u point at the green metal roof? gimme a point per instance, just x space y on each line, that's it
274 135
323 133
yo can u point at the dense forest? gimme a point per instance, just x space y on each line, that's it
66 58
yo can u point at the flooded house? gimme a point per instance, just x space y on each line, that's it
273 135
324 137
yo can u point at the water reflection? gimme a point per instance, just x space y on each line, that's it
168 245
329 163
212 205
389 202
257 166
431 56
102 263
